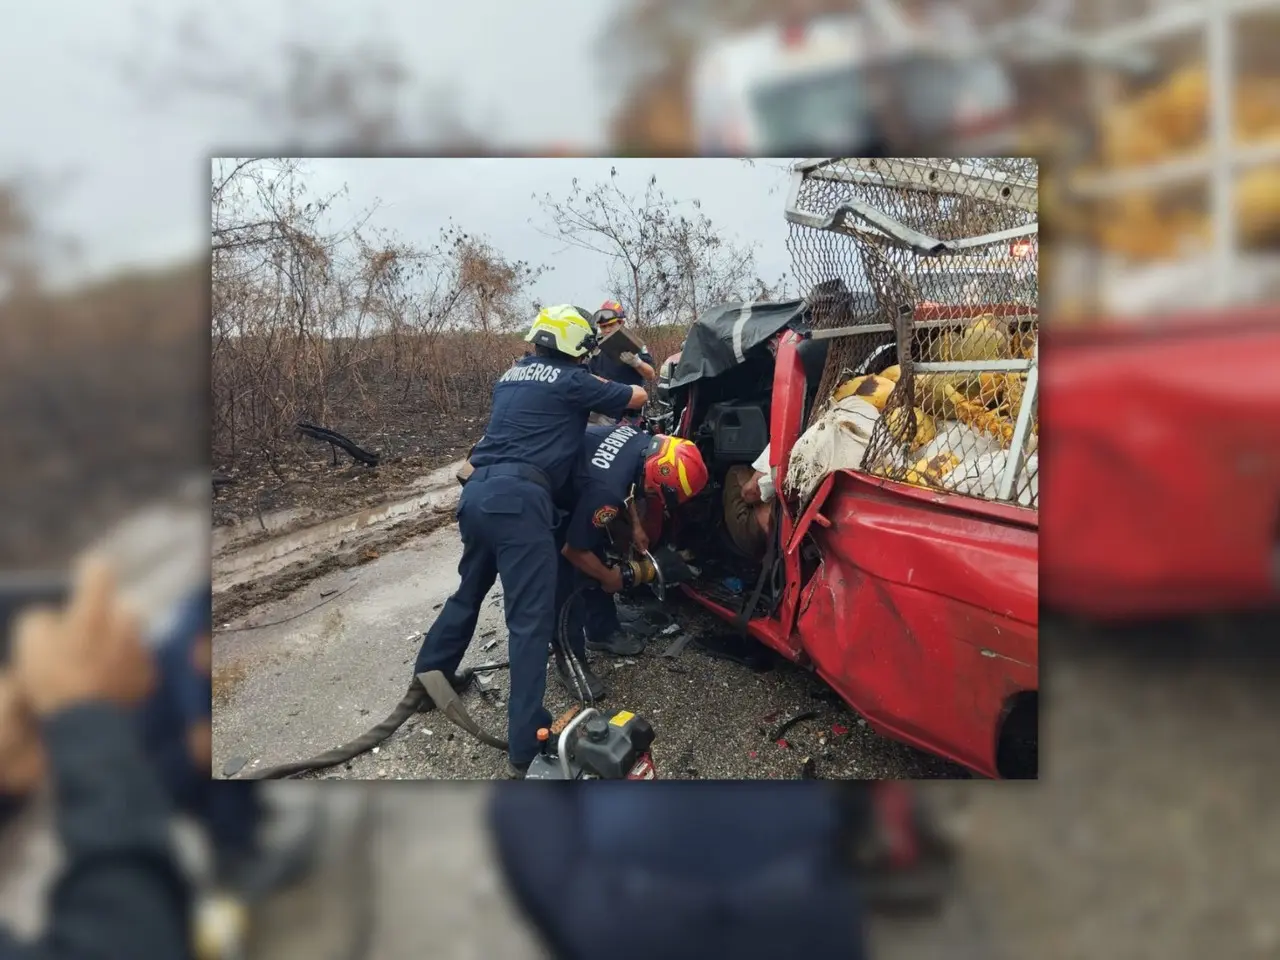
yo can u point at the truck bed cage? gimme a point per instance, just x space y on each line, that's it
922 235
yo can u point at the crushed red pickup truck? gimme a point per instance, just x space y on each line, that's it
919 607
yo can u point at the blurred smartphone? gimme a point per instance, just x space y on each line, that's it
21 590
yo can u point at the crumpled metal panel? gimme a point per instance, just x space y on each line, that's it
924 618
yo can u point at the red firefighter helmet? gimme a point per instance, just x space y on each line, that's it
675 467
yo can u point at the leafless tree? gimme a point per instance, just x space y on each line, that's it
667 261
347 324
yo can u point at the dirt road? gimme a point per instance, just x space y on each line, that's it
316 668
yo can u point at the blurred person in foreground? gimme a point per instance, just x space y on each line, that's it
66 711
257 849
736 870
744 870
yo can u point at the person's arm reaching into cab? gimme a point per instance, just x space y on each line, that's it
584 536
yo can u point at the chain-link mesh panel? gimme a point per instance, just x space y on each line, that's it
955 266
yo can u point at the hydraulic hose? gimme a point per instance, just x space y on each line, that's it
440 691
576 673
362 744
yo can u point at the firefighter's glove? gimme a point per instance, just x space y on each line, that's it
672 566
629 358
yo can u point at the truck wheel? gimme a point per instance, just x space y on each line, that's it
1017 754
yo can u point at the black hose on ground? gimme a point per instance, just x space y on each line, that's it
576 672
362 744
436 687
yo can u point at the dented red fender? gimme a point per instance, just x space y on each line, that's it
922 615
1161 466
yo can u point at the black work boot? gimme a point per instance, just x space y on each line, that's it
596 690
517 771
628 613
620 643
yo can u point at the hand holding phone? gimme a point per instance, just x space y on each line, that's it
91 651
21 590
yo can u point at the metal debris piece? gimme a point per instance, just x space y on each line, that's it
788 724
670 629
489 645
677 646
234 766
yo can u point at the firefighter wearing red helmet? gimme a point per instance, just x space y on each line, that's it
623 472
674 468
632 369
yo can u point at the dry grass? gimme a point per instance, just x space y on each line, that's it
104 391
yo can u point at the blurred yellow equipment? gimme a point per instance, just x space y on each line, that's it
1170 121
221 928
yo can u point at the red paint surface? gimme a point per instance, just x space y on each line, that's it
1161 466
923 614
1161 462
935 614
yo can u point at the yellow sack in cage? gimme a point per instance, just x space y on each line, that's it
1022 344
985 388
932 396
931 471
896 421
984 338
980 417
987 338
872 388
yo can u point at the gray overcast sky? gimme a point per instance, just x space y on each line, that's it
528 72
416 198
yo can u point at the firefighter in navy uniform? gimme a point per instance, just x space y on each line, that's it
507 513
634 369
620 468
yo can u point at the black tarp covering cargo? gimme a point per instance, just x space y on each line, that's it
722 337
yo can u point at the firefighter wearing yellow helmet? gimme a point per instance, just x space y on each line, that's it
507 514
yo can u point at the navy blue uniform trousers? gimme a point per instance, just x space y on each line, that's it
743 870
507 525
